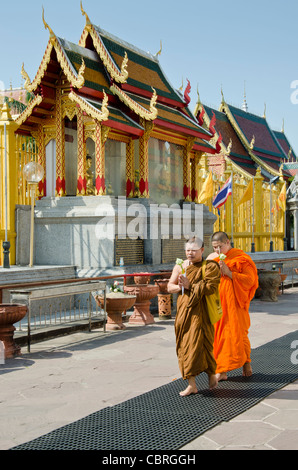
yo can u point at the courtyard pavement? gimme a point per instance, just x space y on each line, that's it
67 378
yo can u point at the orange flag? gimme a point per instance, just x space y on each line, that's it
207 190
281 201
248 193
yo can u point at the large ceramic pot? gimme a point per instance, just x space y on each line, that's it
144 293
10 314
116 304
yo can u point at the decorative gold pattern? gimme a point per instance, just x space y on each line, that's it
76 80
60 147
138 109
119 76
27 112
81 185
91 110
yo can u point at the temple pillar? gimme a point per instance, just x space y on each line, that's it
130 169
81 184
144 159
41 188
187 170
195 177
7 221
258 211
229 214
60 147
101 135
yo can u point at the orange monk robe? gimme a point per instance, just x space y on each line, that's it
231 344
194 331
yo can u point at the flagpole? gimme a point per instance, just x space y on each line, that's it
253 216
232 210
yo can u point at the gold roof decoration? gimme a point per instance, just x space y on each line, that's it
88 22
160 50
90 110
76 79
148 115
28 111
52 34
119 76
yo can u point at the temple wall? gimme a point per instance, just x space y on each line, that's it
95 232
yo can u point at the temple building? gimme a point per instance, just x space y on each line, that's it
107 124
128 170
250 150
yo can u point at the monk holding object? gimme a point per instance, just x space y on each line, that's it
239 281
194 331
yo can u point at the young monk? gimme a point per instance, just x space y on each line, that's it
239 281
194 331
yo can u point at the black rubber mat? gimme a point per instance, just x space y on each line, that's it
162 420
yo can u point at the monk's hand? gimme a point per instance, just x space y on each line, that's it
225 271
183 282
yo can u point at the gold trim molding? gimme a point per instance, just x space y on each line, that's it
138 109
91 110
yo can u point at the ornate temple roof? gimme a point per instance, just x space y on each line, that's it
102 68
237 152
285 145
246 139
257 137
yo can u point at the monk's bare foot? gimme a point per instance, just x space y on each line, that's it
247 370
190 390
222 376
213 381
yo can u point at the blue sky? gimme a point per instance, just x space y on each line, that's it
219 43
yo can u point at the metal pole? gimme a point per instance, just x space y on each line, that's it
32 190
253 216
232 211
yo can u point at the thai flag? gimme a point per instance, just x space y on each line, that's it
223 194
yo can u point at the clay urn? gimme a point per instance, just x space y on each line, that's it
116 304
9 315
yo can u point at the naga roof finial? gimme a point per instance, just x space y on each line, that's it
88 22
52 34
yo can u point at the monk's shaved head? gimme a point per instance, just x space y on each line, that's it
219 237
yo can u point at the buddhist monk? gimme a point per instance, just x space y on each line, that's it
239 281
193 329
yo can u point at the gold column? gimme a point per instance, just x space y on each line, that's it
81 184
10 162
60 147
41 189
195 171
259 211
186 170
144 159
101 135
130 169
228 205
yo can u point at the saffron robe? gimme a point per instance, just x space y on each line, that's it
194 331
231 344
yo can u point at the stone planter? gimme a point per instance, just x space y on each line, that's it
144 293
269 282
116 304
10 314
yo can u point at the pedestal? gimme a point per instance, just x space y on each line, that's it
144 293
164 306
